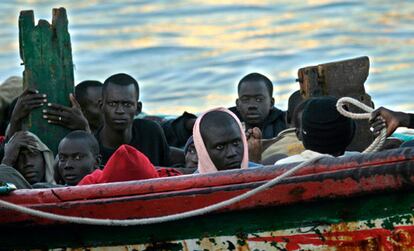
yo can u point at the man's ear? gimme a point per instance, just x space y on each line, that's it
298 133
272 102
237 104
100 103
139 108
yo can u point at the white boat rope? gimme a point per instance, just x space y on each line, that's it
378 141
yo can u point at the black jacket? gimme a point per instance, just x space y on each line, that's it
148 138
275 122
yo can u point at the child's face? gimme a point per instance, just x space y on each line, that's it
75 160
191 159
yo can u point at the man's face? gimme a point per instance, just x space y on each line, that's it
75 160
119 106
225 147
191 159
31 165
254 103
90 106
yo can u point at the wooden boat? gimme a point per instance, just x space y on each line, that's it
354 203
361 202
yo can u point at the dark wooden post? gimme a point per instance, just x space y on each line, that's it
341 79
47 57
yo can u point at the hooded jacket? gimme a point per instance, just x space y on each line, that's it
205 164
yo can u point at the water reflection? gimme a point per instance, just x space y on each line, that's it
189 55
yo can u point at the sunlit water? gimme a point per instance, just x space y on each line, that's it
189 55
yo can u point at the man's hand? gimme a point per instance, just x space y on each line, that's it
254 142
69 117
29 100
12 148
392 120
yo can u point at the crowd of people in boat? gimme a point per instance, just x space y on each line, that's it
107 141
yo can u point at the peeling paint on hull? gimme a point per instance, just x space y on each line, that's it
362 235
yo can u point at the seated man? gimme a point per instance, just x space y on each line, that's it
26 153
220 142
255 106
78 156
119 105
78 163
288 142
324 131
89 93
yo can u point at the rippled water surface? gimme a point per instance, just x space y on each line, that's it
189 55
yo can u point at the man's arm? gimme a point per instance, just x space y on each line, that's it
10 175
392 119
12 148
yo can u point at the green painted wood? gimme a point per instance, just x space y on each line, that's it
46 52
393 206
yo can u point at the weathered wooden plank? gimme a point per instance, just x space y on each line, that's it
341 79
47 56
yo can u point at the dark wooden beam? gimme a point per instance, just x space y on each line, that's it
341 79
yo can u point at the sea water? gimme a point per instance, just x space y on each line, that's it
190 55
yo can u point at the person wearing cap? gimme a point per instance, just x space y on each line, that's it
324 131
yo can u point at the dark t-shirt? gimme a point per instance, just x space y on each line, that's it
148 138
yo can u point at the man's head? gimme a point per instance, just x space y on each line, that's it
89 94
223 140
294 100
324 129
255 99
120 94
190 153
296 121
31 165
78 156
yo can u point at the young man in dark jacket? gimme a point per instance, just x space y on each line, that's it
255 106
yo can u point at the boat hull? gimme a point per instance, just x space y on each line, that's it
349 204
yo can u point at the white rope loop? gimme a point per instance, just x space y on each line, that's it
154 220
378 141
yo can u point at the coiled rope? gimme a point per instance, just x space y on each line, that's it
378 141
377 144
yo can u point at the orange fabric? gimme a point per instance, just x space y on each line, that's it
127 163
